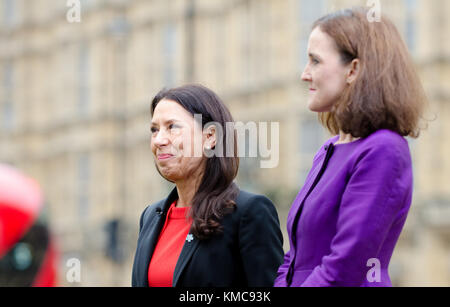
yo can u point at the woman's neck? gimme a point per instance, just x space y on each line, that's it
345 138
187 188
186 193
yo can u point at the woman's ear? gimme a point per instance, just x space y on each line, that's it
354 69
210 137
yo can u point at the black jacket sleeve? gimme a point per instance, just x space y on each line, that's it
260 241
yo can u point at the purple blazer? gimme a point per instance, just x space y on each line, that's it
345 221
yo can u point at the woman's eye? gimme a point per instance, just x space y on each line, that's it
315 61
153 130
173 126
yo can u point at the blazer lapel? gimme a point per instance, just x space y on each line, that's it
297 204
189 248
149 237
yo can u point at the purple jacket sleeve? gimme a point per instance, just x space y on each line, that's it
373 199
280 281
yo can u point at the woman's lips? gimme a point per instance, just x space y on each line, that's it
312 90
164 156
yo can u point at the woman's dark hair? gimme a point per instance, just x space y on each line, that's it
387 93
217 191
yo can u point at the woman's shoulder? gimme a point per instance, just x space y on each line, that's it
244 197
385 136
246 201
382 148
385 141
254 209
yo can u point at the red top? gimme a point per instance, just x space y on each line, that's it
168 249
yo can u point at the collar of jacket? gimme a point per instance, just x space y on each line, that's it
153 221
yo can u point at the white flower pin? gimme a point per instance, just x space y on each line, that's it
189 238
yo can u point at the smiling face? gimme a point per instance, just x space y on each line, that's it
175 134
325 72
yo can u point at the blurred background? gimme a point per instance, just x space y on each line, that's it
74 113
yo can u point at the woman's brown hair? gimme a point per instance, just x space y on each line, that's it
387 93
217 191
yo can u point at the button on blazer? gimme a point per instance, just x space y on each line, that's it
247 253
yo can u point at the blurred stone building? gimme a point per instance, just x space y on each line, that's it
74 112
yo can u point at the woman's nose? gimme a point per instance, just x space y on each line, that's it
306 76
161 139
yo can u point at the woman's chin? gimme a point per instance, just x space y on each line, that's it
169 176
313 107
166 172
317 107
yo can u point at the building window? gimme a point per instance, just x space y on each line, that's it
84 178
7 111
249 162
246 19
88 4
410 28
308 12
220 57
84 79
312 136
169 52
9 12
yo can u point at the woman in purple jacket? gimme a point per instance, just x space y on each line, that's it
346 220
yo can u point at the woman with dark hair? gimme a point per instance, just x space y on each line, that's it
207 232
346 220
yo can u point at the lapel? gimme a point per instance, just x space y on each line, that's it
149 236
296 217
297 204
313 177
188 250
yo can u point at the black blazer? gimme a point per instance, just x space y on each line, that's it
247 253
